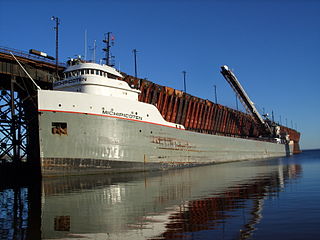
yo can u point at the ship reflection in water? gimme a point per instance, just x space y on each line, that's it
220 201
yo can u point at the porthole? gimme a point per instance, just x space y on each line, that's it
140 130
59 105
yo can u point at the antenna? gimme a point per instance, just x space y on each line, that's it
94 51
85 44
107 41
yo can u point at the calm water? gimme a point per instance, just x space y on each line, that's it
274 199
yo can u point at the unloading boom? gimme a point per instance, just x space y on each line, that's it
244 98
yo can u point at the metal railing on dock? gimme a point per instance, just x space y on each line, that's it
27 55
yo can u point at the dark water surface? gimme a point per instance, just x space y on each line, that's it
263 199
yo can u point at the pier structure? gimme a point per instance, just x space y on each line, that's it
18 106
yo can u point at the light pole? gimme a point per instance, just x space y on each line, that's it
215 93
184 81
57 20
237 102
135 62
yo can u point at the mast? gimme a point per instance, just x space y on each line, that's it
107 39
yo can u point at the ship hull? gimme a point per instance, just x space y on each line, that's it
94 144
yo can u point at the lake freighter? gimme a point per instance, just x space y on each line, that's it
95 120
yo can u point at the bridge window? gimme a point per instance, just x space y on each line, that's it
111 76
82 71
91 71
87 71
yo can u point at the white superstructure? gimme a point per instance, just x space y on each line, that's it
95 89
96 79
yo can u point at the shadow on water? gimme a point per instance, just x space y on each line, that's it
20 208
223 200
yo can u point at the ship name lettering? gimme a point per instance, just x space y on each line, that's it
69 81
120 114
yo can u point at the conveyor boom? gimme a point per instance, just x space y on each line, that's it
244 98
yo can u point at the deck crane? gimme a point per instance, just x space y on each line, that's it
246 102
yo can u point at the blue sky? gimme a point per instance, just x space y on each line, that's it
272 46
